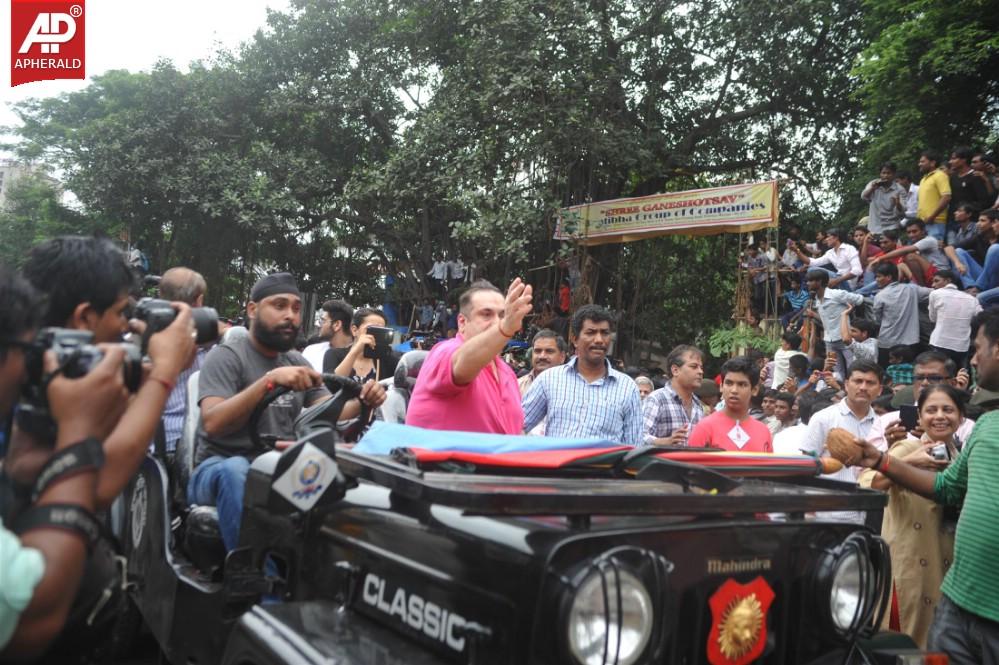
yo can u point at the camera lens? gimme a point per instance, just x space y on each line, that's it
132 367
206 323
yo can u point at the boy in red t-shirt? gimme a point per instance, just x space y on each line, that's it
732 428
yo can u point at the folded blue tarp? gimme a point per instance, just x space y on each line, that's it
383 437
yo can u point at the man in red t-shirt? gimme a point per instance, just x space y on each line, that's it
564 297
732 428
911 266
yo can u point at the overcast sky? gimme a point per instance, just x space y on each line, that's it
133 35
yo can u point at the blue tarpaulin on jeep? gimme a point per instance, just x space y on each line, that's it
430 448
383 437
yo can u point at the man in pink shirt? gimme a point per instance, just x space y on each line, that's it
464 385
732 428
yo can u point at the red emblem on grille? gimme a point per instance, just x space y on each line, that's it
739 622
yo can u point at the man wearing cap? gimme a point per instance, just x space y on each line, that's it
235 377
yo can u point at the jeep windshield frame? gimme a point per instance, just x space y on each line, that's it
561 494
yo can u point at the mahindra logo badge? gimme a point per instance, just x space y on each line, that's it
47 40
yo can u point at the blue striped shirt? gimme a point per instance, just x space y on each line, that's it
176 405
609 408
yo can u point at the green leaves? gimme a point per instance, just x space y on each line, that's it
725 342
927 78
34 212
356 137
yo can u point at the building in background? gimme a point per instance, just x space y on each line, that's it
11 170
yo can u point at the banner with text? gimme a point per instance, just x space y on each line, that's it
731 209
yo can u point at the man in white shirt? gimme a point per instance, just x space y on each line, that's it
855 415
790 440
904 178
455 272
790 345
844 259
334 331
952 310
438 275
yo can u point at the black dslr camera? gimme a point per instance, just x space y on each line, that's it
159 314
76 357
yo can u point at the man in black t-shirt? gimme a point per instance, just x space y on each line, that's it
967 185
235 377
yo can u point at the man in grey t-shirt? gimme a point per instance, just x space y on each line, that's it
227 371
897 308
927 246
887 200
235 377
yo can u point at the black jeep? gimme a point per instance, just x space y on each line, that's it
390 559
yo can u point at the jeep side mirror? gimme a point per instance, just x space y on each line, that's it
307 475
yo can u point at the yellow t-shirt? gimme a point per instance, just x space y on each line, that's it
932 188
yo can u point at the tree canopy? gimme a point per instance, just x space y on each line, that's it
353 139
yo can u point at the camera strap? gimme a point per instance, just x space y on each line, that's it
66 516
82 456
36 420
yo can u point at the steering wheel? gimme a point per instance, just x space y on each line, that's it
343 389
346 389
253 424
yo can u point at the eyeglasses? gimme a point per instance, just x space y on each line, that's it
929 378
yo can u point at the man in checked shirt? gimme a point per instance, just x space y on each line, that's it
668 414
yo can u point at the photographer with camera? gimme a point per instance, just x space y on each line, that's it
43 548
87 283
235 378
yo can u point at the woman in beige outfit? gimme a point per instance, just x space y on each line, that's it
919 534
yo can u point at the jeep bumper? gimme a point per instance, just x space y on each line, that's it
317 633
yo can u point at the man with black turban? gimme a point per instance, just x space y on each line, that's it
235 377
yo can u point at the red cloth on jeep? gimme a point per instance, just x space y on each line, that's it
751 463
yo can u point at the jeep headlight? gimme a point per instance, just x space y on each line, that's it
610 618
845 593
854 578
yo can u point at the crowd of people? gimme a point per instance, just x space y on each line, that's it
74 437
887 332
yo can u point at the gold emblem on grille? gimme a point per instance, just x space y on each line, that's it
739 628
